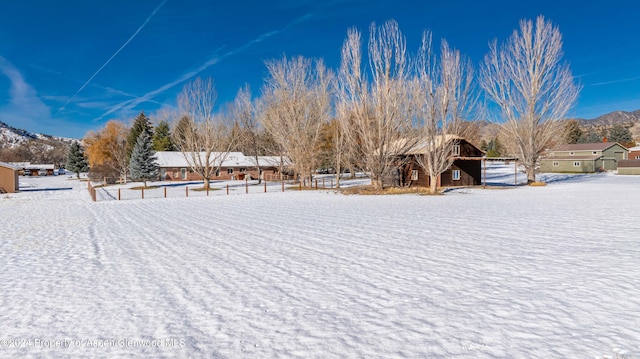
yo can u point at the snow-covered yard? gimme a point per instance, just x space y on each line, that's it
545 272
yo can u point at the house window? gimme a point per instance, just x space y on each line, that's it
594 153
572 153
556 164
456 150
637 157
576 163
414 175
218 172
243 170
229 170
183 172
456 175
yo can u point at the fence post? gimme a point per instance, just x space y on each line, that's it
316 183
207 191
118 194
227 189
165 192
246 185
265 186
331 183
282 185
142 193
186 191
322 182
300 182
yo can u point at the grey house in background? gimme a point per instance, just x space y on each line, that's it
629 167
584 158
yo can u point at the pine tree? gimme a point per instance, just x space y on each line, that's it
572 132
590 137
484 145
162 138
140 124
76 160
621 135
143 166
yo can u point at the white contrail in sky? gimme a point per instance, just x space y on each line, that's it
615 81
217 58
112 56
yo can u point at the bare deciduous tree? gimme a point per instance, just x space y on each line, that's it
377 113
443 98
203 137
296 102
531 86
245 115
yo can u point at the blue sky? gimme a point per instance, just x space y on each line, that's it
67 67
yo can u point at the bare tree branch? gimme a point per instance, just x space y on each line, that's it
296 102
531 86
203 137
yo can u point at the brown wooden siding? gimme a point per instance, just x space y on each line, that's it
8 180
470 170
175 174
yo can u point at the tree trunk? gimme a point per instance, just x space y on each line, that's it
433 184
206 183
376 182
531 174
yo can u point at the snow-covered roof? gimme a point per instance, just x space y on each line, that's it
10 166
20 164
176 159
33 166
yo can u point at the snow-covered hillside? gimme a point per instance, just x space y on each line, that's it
11 136
546 272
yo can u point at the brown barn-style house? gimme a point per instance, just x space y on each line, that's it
173 166
466 169
9 178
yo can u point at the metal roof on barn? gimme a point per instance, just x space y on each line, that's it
176 159
599 146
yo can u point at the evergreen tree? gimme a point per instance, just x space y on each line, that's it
143 166
495 148
162 138
484 145
76 160
572 132
140 124
183 129
621 135
590 137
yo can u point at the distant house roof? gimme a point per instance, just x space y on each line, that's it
572 158
176 159
421 147
599 146
628 163
21 164
33 166
10 166
635 149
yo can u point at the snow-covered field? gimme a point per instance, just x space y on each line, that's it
545 272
